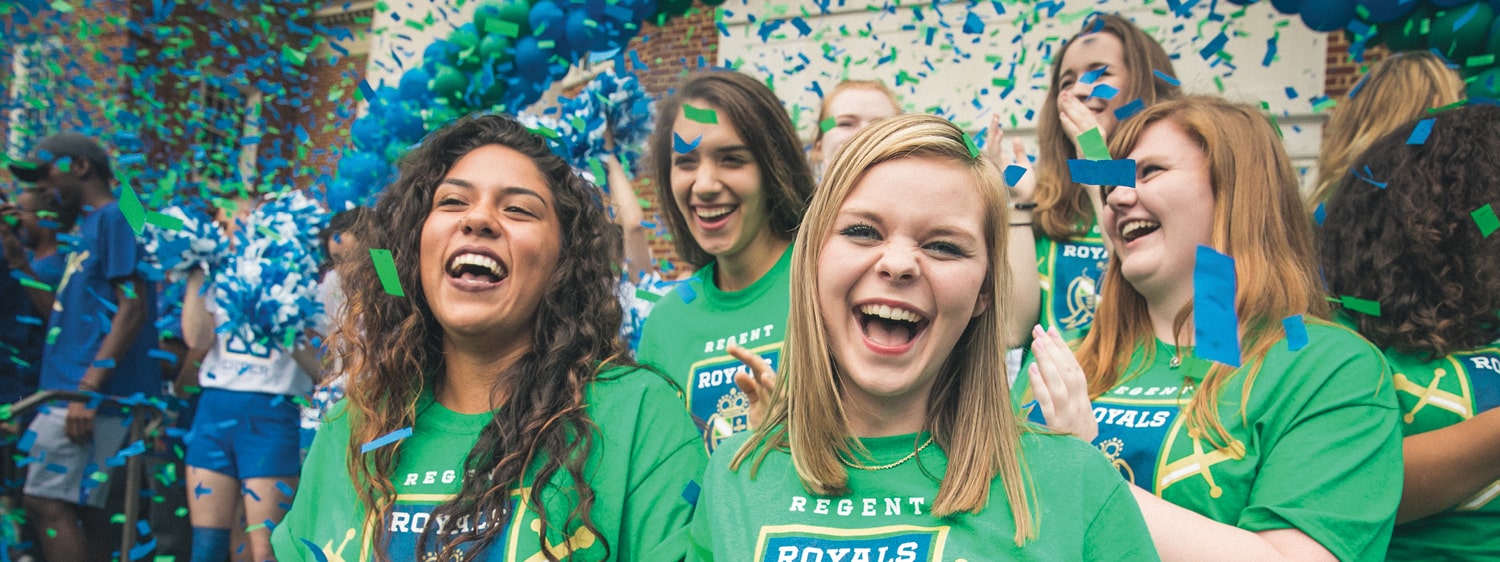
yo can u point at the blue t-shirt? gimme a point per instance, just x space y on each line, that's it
20 337
104 250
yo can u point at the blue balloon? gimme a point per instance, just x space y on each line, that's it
581 35
342 194
549 18
1287 7
1451 3
1382 11
368 133
362 167
405 123
1327 15
414 85
1243 2
531 60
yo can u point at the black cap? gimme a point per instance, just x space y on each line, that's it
72 146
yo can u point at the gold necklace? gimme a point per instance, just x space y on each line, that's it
909 456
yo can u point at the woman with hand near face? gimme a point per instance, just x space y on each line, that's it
1109 65
891 435
1419 251
528 434
1294 455
733 184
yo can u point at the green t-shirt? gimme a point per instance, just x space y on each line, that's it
645 459
1085 511
1069 272
1434 395
687 334
1322 446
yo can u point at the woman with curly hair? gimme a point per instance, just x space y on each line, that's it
1293 453
1096 75
733 183
1399 89
525 425
892 436
1419 250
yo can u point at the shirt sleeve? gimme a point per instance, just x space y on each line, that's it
1333 463
325 499
1118 531
669 456
119 252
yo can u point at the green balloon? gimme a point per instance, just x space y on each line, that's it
516 12
464 39
1408 33
494 47
1470 39
492 95
1492 45
448 81
1486 84
484 13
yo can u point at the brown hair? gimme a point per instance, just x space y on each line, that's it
969 411
1397 90
757 117
1258 220
1414 247
1063 206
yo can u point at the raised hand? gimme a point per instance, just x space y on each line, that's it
1060 387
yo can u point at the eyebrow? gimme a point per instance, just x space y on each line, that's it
508 190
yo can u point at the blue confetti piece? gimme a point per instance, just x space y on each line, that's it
1464 19
200 490
1093 75
690 492
27 440
1130 109
1216 325
801 26
386 439
162 354
316 551
1291 93
1422 130
105 363
29 320
1270 51
1296 332
285 488
1167 77
683 147
1013 174
1103 172
141 551
1213 47
686 292
973 25
1319 214
1104 92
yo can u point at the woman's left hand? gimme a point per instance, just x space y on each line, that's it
1060 387
757 385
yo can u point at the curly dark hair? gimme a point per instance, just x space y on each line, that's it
392 346
1413 246
758 117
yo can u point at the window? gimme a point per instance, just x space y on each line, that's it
229 125
35 84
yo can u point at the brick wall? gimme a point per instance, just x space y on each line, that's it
333 84
1343 72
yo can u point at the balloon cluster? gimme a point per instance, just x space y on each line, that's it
503 60
1466 32
268 289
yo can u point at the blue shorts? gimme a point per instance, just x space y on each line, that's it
245 435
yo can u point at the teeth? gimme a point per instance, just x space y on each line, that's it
477 260
1137 225
714 212
888 313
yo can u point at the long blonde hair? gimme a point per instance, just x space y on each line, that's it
1063 205
1399 89
969 411
1258 220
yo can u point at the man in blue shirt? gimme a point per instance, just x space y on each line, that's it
99 337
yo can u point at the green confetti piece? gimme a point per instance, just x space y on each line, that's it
1486 219
52 334
642 294
34 284
268 233
704 116
130 205
385 267
164 221
181 512
1002 82
1324 104
297 58
973 148
1458 103
1362 306
828 124
598 169
290 340
66 8
1092 143
52 533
